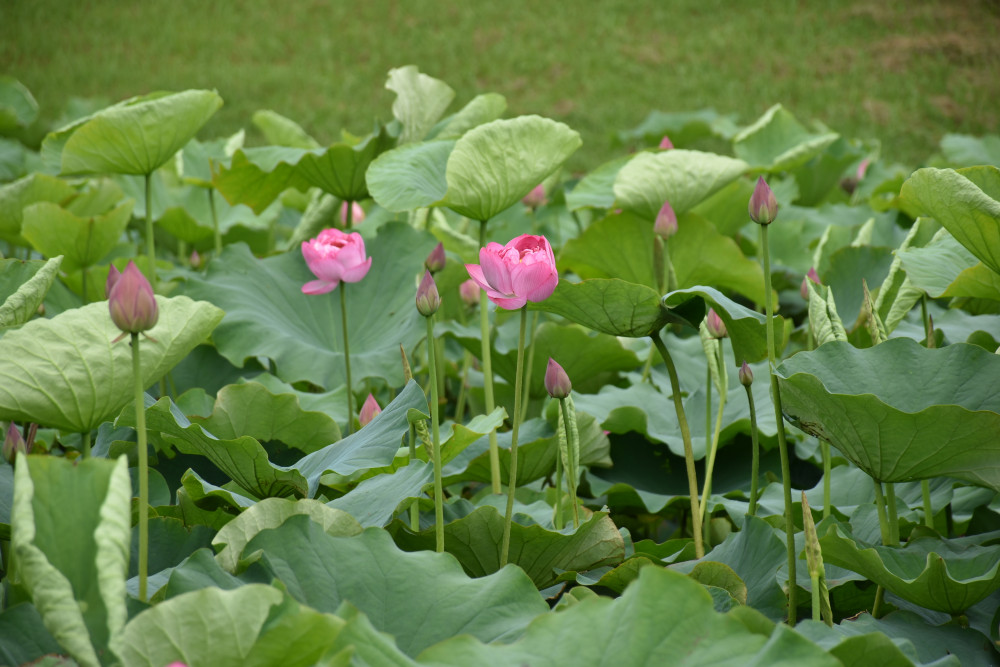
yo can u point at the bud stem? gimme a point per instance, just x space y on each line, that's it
415 505
824 448
557 520
692 475
217 235
85 444
484 326
713 443
786 474
150 241
755 462
925 490
349 215
140 429
347 357
530 363
572 451
512 472
435 439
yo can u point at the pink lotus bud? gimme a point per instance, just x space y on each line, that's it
666 221
469 291
132 302
716 327
763 206
334 256
746 375
13 444
113 275
665 143
195 260
523 270
177 664
428 299
863 169
556 381
369 411
357 213
435 260
535 198
811 276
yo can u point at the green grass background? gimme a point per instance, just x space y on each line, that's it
903 72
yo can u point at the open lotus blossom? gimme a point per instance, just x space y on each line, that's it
369 411
513 274
334 256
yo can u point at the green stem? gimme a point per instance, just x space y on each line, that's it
816 614
786 474
436 440
484 328
879 596
83 277
216 234
890 492
710 466
415 505
571 446
668 267
824 448
923 315
85 444
675 387
150 241
349 215
347 357
462 391
755 463
512 473
558 521
530 363
140 429
925 489
649 365
883 522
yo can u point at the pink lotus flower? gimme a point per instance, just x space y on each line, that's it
369 411
556 381
113 275
428 299
469 291
763 205
535 198
436 259
334 256
665 143
716 327
132 302
357 213
666 221
521 271
811 276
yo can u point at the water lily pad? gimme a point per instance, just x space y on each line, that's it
899 411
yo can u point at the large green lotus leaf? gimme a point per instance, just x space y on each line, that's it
899 411
611 306
820 177
966 151
340 169
74 561
726 210
682 127
420 101
15 196
271 513
860 649
23 286
929 571
82 241
542 553
778 142
18 107
134 137
897 295
947 644
617 246
23 637
664 618
848 267
251 409
966 202
480 109
597 188
66 373
268 315
411 176
589 359
419 598
682 177
210 626
281 131
197 161
246 462
747 329
946 268
495 165
375 500
256 176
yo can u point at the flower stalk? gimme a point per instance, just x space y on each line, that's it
487 358
140 429
512 472
746 379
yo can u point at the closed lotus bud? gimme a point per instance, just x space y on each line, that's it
811 276
535 198
469 291
666 221
428 299
357 213
863 169
716 327
113 276
13 444
763 206
435 260
132 302
195 260
556 381
746 375
369 411
665 143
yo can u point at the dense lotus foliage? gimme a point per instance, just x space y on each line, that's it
423 397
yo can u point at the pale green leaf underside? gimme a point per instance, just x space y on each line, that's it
22 305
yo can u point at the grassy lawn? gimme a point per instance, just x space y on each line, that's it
902 71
